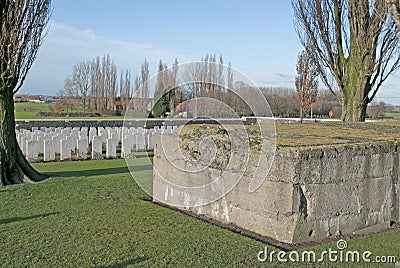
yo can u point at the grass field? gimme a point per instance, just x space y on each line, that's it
393 115
27 110
92 214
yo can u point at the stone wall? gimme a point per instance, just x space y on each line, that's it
310 194
144 123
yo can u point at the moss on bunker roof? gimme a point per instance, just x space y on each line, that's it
336 133
313 135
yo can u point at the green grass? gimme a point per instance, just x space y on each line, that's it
393 115
92 214
27 110
31 107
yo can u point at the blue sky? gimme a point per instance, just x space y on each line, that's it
257 37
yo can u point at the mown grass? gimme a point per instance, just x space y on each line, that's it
393 115
93 214
27 110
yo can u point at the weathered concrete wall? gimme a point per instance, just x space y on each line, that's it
309 194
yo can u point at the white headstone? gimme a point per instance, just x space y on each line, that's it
97 148
140 142
56 140
32 150
151 138
92 133
111 148
103 135
72 142
126 149
84 131
82 145
40 145
49 153
65 150
23 145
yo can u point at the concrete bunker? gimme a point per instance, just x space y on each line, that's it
317 188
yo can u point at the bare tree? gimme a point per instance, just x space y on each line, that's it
125 89
124 96
96 82
78 84
106 77
376 109
356 44
138 87
144 76
63 102
306 80
23 26
167 93
207 77
394 7
104 81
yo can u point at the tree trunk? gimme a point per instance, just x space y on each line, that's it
354 99
14 168
301 114
356 84
353 111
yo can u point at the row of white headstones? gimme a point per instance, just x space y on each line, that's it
74 143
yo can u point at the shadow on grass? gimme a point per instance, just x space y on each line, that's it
126 263
88 173
15 219
141 168
97 172
4 190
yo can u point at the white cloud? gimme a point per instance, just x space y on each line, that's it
65 46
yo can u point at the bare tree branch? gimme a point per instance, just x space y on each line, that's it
24 25
356 43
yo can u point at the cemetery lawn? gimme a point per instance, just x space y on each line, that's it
92 214
27 110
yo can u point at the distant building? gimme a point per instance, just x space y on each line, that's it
396 108
20 98
137 104
141 104
35 99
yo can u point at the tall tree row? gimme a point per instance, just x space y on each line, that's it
104 77
167 91
125 89
207 77
95 84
